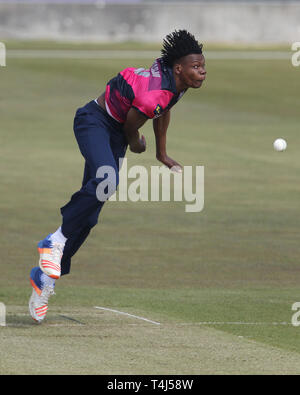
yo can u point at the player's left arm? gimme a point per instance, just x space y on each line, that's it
160 127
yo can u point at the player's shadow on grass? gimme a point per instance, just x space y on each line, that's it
23 320
18 320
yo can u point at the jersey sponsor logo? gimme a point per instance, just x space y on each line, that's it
158 110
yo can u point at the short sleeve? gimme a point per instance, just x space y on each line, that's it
152 103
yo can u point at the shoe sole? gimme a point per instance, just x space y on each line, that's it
35 287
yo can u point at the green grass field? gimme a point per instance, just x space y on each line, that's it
221 282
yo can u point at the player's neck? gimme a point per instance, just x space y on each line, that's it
180 85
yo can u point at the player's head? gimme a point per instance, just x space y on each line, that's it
183 53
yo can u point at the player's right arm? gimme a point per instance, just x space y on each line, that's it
134 121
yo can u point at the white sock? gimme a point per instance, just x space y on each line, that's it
58 237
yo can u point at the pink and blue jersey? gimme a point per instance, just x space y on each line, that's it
150 91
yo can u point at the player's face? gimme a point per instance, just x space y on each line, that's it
192 70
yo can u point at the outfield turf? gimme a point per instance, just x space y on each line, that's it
221 282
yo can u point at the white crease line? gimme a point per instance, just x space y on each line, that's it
248 55
79 54
127 314
132 54
232 323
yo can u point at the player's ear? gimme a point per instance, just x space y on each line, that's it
177 68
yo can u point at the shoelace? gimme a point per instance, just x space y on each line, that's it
57 251
46 293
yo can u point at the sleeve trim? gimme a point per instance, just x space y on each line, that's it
141 112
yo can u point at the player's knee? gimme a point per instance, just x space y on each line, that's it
93 219
92 222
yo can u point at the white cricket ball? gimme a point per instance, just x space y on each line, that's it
279 144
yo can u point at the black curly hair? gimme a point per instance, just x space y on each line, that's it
178 44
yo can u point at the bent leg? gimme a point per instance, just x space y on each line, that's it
101 144
94 143
77 238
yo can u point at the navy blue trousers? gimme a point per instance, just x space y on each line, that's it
102 143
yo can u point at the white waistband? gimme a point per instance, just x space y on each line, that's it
107 109
109 112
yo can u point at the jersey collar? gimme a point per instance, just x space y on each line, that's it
168 81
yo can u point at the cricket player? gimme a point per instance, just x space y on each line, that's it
104 128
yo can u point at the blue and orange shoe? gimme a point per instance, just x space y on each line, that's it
50 257
43 288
